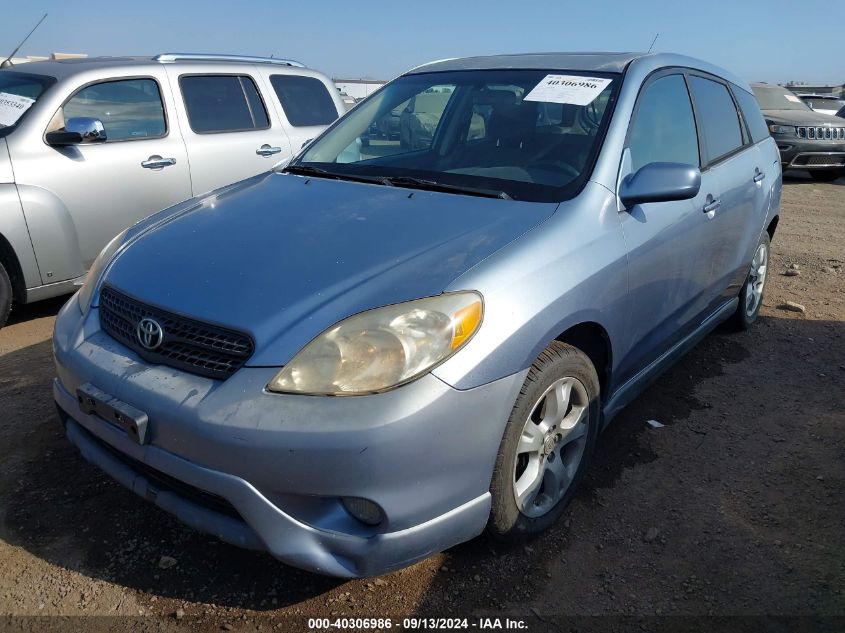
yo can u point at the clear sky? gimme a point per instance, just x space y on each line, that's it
760 40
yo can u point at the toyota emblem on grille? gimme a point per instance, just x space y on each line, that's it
149 334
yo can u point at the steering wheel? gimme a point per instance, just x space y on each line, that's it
589 118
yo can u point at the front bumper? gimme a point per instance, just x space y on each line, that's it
798 153
424 453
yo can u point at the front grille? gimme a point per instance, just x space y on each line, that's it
825 133
186 344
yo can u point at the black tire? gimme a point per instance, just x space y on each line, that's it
507 522
743 318
825 175
5 296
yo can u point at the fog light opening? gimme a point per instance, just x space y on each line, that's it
366 511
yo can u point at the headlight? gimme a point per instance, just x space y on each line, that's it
96 270
782 129
382 348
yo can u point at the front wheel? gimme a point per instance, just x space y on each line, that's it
547 443
751 295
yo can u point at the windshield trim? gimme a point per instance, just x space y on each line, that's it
541 193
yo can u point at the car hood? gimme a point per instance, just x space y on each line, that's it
284 257
800 117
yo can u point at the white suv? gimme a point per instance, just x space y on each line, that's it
90 146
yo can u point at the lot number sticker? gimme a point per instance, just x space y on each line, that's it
570 89
793 98
12 107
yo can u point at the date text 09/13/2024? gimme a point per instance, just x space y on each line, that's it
416 623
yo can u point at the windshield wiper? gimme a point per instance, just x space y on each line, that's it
432 185
397 181
319 172
306 170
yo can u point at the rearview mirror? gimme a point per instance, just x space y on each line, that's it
660 182
78 131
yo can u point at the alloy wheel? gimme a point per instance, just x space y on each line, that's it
756 280
550 447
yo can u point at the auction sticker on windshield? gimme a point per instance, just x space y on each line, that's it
570 89
12 107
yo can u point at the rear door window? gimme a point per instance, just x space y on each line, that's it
223 103
663 130
752 115
305 100
717 117
129 109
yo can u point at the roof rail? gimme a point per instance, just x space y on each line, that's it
213 57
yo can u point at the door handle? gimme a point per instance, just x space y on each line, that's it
712 205
758 176
266 150
157 162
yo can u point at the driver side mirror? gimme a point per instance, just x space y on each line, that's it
660 182
78 131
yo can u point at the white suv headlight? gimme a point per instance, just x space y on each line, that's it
96 270
379 349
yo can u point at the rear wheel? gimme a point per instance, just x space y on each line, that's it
751 295
825 176
5 296
547 443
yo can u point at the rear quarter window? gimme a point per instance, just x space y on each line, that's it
752 115
305 100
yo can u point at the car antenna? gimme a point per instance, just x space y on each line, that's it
656 35
8 61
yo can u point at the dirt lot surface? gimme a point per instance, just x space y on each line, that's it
734 508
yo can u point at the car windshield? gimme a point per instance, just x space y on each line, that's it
523 134
777 98
823 103
18 92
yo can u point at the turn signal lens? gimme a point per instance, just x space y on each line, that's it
466 321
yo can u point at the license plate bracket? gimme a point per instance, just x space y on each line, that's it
94 401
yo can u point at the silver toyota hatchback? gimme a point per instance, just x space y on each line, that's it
386 348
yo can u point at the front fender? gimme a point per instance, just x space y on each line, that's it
570 270
53 234
13 229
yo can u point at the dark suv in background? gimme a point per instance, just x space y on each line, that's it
806 139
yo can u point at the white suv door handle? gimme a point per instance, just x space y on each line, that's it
266 150
157 162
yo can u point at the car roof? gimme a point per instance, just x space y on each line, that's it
577 61
61 68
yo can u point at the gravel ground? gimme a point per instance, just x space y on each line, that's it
734 509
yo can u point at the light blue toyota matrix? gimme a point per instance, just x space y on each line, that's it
415 331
